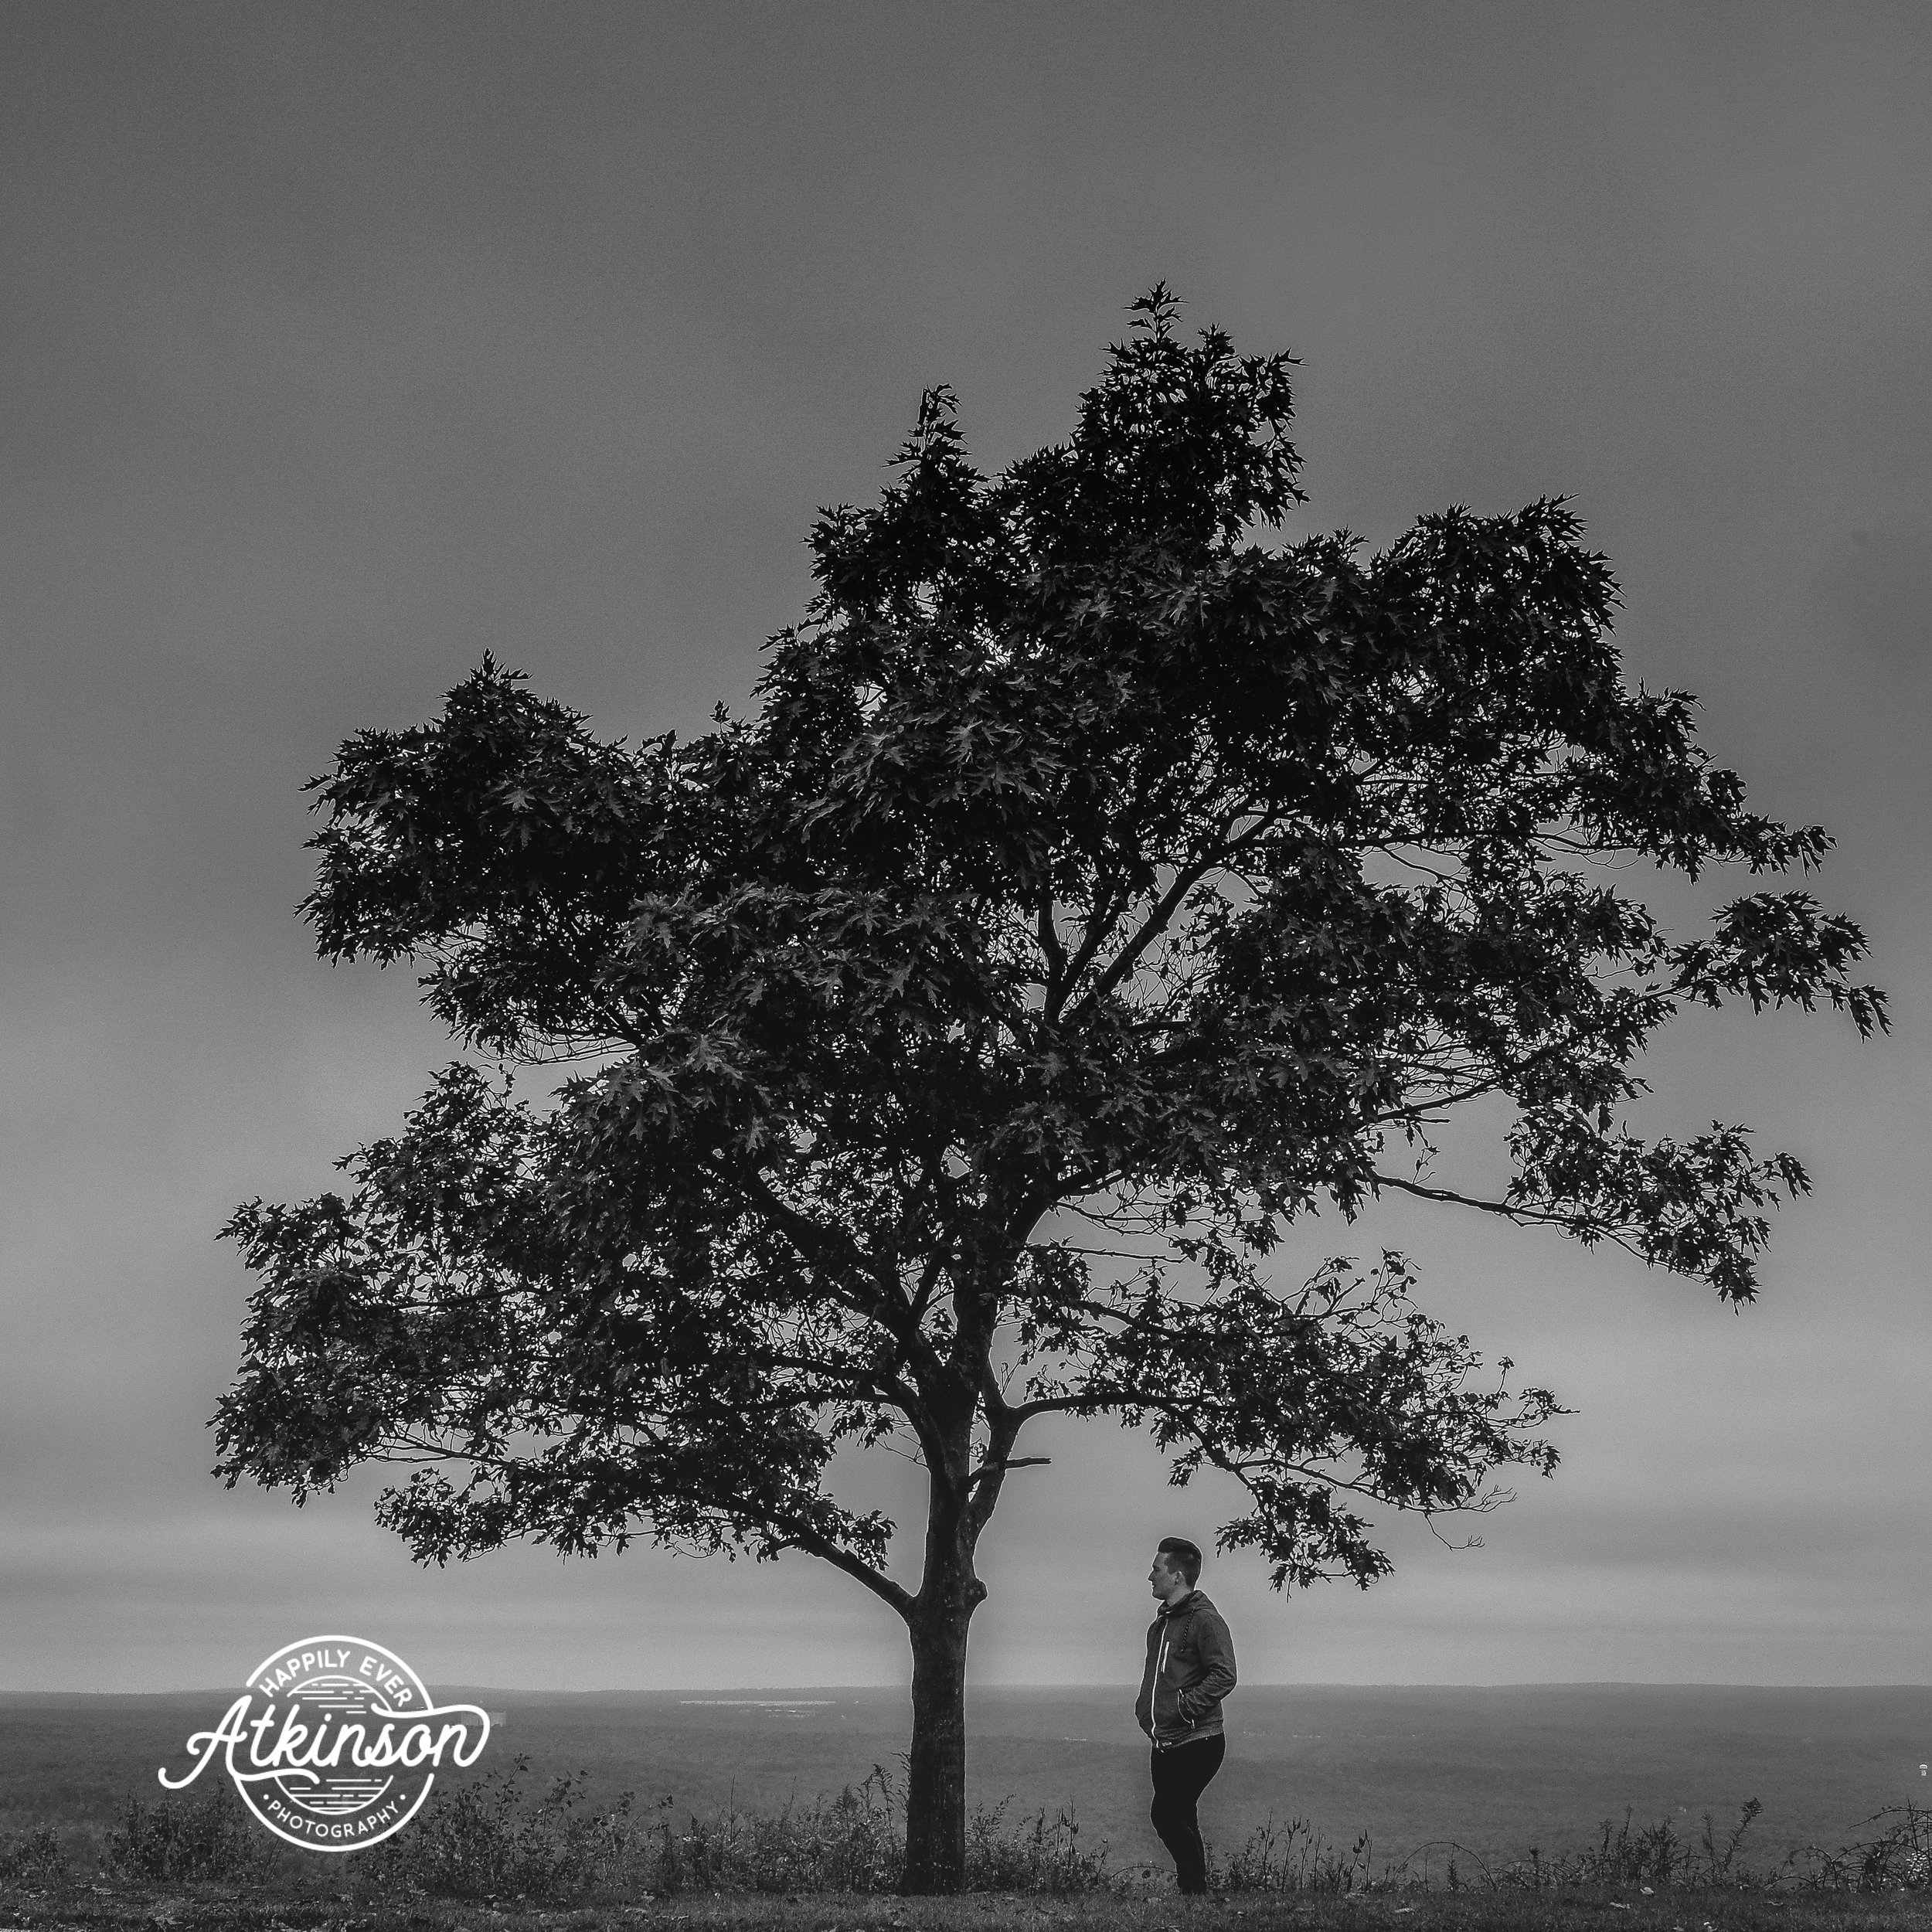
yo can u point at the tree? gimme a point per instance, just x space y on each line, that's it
1094 892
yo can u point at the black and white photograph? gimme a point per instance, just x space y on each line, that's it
965 965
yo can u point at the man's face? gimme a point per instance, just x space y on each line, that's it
1161 1579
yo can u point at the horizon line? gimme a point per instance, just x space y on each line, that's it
754 1692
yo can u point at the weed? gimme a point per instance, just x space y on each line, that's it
172 1839
483 1841
1721 1861
488 1841
1292 1857
492 1840
1624 1855
1038 1857
852 1842
1621 1856
1897 1859
34 1862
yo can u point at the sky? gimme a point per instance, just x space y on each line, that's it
344 344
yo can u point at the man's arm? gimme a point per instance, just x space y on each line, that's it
1217 1650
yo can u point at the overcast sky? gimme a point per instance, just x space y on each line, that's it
343 343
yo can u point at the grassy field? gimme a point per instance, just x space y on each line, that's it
1497 1770
1401 1809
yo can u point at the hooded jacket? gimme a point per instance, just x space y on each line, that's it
1190 1668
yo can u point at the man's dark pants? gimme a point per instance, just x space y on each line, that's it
1181 1775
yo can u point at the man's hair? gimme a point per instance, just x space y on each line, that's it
1187 1558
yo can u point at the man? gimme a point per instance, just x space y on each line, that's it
1190 1668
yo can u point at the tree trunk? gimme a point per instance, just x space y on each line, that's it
958 1502
935 1788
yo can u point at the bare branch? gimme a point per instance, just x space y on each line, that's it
986 1469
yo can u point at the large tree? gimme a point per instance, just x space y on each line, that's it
1093 891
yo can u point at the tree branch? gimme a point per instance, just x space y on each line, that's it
1054 953
986 1469
840 1558
1220 852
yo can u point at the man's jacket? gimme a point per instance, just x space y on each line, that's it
1190 1668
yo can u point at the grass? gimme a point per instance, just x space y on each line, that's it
1497 1769
210 1908
497 1856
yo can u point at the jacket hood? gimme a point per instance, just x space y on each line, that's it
1195 1599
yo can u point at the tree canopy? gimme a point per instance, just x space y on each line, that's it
1101 883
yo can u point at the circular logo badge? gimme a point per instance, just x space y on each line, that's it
337 1743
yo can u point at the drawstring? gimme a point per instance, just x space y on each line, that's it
1160 1671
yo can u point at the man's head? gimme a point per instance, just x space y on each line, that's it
1177 1563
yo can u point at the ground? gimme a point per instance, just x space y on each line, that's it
96 1906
